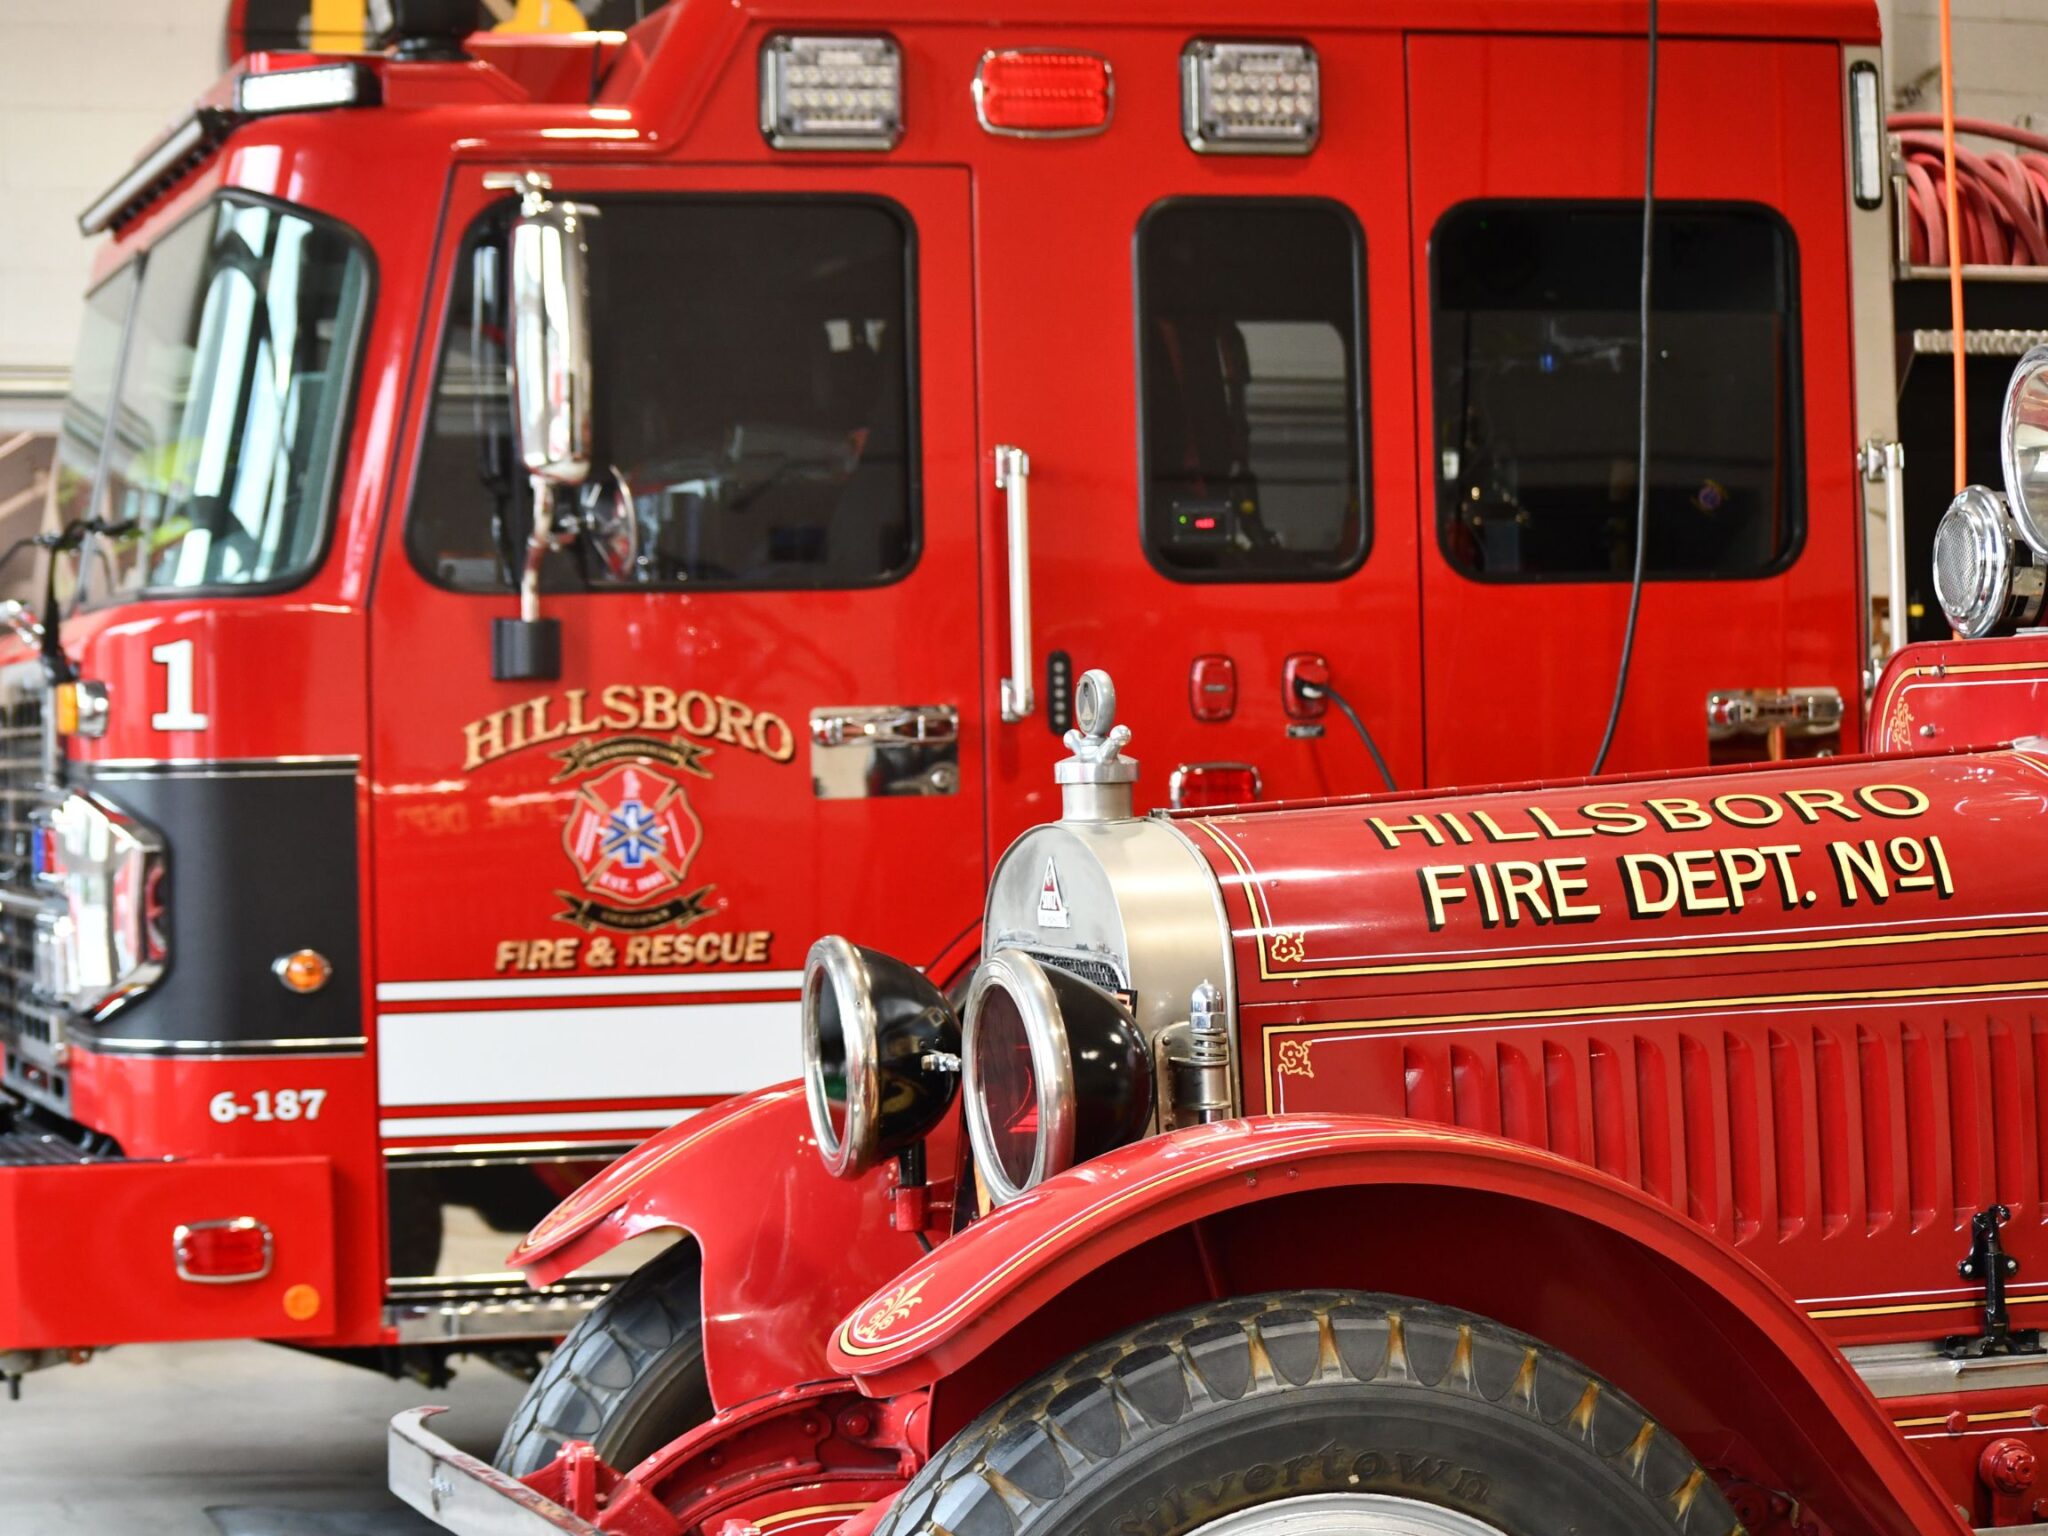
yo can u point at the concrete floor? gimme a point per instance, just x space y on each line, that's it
222 1440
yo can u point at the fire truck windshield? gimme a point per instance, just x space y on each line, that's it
233 381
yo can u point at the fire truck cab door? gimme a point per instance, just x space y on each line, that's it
1206 358
595 891
1527 239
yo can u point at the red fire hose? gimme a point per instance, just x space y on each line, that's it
2001 195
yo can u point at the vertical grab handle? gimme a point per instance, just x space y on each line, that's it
1013 479
1886 462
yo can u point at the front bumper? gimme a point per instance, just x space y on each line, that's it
90 1255
461 1494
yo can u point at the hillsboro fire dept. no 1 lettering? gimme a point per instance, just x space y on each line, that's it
1691 882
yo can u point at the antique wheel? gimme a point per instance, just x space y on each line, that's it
629 1378
1314 1414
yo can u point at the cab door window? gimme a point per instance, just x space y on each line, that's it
1251 389
1536 356
752 401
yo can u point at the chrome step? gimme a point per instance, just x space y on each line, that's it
434 1309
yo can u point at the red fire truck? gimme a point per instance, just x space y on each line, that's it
385 835
1548 1157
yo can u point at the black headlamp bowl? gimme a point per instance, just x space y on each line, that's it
1057 1072
881 1054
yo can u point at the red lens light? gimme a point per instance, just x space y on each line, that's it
211 1252
1200 785
1008 1081
1048 92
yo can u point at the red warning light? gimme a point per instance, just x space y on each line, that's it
1043 93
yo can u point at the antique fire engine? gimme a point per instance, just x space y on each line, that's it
1418 1164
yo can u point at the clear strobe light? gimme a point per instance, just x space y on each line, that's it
831 92
307 90
1250 98
1866 136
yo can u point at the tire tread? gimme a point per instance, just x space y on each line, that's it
648 1324
1113 1398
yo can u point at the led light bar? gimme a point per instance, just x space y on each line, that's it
167 162
348 84
1242 98
824 92
1866 136
1043 93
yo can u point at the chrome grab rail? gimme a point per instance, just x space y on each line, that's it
1013 478
1886 461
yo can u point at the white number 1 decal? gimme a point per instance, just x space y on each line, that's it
177 713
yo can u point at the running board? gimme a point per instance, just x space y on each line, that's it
480 1308
1921 1370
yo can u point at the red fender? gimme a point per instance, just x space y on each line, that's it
786 1247
1686 1325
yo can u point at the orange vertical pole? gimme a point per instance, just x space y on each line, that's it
1955 239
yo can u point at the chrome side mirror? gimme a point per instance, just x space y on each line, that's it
549 321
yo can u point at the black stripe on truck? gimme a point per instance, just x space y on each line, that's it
262 861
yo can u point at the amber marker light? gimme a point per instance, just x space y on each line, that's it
80 709
303 970
302 1303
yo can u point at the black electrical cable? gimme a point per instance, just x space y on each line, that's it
1635 589
1325 691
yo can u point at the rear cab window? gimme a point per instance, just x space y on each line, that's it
1536 358
752 400
1250 351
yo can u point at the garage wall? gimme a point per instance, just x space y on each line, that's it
2001 58
84 85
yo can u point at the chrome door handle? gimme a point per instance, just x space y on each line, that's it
1013 478
887 725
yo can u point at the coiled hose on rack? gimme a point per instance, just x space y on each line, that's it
2001 195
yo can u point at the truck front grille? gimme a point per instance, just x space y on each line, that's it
28 1025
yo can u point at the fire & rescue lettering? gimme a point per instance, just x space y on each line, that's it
626 707
1694 882
641 950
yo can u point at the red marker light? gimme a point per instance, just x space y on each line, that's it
222 1252
1198 786
1045 93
